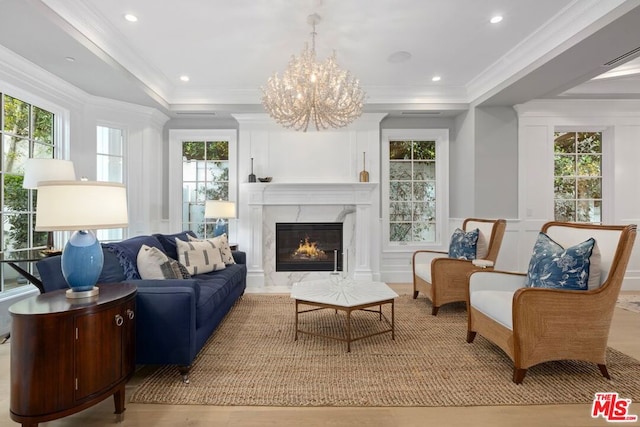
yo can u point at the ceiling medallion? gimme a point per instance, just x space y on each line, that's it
312 91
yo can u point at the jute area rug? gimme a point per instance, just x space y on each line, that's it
252 359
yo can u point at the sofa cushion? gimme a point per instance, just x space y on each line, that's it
112 271
168 242
463 244
214 287
152 263
127 253
199 256
552 266
221 242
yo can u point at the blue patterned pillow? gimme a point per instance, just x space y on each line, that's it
552 266
463 245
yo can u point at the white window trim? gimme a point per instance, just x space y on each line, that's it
441 136
608 155
176 137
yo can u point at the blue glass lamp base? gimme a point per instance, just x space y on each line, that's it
221 228
82 261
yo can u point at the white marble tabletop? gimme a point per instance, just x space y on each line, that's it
342 292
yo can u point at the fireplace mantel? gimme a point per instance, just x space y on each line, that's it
310 193
355 197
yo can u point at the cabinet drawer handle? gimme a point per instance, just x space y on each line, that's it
119 320
131 314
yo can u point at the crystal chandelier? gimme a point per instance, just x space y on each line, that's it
312 91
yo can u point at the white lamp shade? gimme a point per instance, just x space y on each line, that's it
81 205
219 209
40 170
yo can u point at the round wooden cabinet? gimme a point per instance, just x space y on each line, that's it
69 354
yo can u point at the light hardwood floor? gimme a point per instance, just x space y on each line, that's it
624 336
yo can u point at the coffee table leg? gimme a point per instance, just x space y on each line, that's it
348 331
393 321
296 338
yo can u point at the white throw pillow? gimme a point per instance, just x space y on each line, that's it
482 247
199 256
221 242
595 271
154 264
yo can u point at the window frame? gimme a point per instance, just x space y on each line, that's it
607 166
441 137
176 138
109 235
61 149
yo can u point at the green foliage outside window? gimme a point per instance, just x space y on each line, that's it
578 176
27 131
412 191
205 177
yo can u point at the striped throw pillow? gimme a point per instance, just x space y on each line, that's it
199 257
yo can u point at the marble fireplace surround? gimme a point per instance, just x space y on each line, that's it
268 203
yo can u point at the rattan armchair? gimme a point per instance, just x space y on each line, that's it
535 325
444 280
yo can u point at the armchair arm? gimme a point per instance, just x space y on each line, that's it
425 256
492 280
551 324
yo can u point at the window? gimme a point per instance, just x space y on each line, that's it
205 176
414 187
25 131
110 167
578 176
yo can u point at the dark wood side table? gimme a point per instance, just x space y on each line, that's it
67 355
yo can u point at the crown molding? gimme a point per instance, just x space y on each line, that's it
96 32
569 26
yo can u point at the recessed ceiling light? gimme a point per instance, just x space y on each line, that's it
130 17
70 58
435 78
400 56
496 19
184 78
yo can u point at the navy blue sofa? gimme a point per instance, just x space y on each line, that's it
174 317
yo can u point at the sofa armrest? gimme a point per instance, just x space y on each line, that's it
165 321
239 257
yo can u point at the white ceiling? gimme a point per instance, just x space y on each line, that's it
542 48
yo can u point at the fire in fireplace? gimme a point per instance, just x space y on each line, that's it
303 246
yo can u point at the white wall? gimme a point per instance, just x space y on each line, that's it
620 123
330 156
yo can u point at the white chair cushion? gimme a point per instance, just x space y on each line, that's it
423 271
495 304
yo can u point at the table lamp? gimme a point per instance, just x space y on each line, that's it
41 170
222 210
81 206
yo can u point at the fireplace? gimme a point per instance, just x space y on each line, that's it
305 246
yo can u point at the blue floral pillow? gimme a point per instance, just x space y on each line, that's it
553 266
463 245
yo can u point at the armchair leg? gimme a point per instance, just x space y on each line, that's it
518 375
434 310
415 294
471 335
604 371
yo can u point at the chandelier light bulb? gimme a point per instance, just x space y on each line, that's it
314 92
